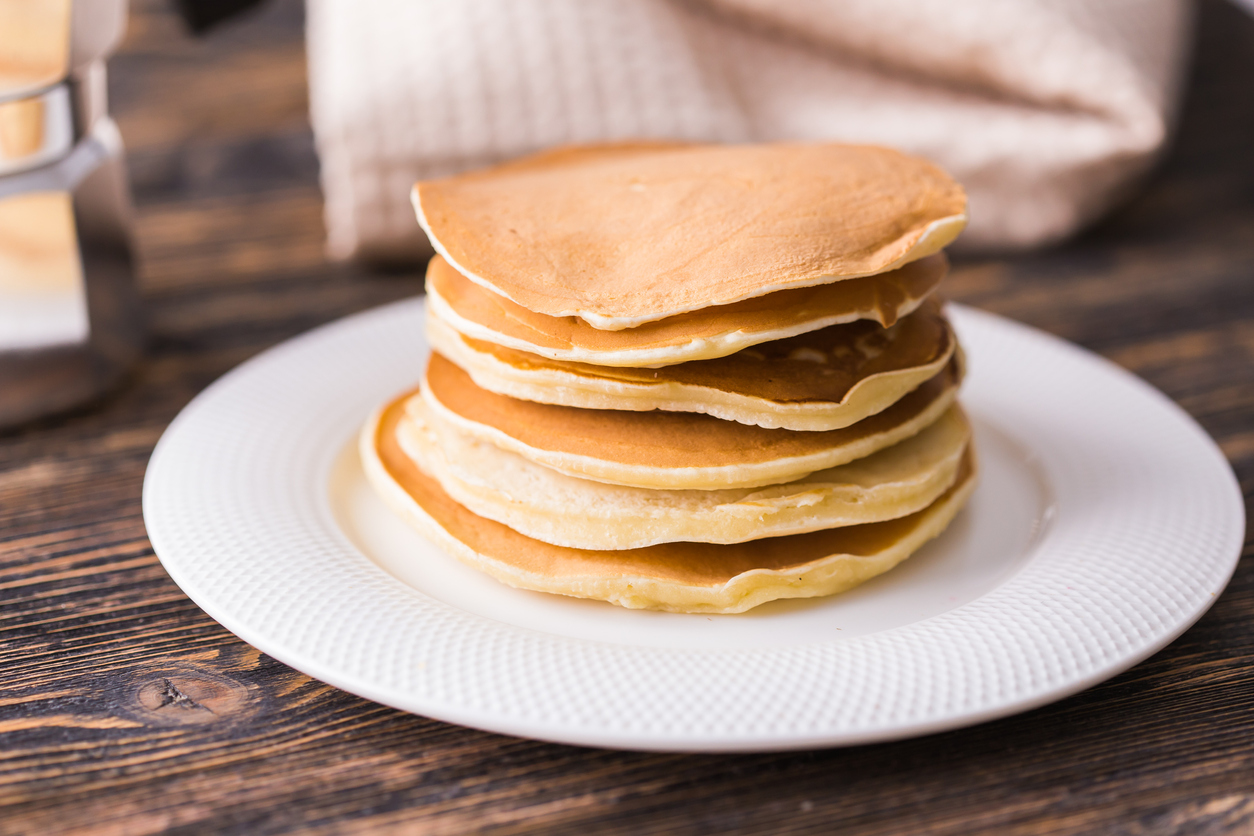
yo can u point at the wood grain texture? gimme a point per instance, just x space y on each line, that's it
124 709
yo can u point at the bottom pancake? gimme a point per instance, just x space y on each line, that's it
680 577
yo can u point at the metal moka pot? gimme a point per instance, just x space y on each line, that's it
69 312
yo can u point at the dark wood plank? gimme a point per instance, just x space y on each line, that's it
125 709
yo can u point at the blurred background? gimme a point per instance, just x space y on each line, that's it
1123 122
232 242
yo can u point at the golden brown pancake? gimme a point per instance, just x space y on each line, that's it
821 380
620 235
478 313
671 450
683 577
568 511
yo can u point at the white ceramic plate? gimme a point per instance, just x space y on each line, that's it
1105 523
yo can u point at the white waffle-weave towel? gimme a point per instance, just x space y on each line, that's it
1046 110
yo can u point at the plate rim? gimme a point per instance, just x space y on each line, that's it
299 656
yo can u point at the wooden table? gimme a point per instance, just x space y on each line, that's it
125 709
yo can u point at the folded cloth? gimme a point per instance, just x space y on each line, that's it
1045 110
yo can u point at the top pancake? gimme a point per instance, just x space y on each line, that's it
620 235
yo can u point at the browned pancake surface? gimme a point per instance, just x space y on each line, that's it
884 296
819 366
647 231
658 439
700 564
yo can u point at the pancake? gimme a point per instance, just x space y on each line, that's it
822 380
568 511
671 450
700 335
681 577
623 234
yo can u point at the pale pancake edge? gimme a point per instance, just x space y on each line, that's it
704 334
747 393
680 577
580 513
672 450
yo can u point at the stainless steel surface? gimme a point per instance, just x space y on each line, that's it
89 96
44 42
44 126
36 130
69 311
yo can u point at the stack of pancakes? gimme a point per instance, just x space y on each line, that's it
681 377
